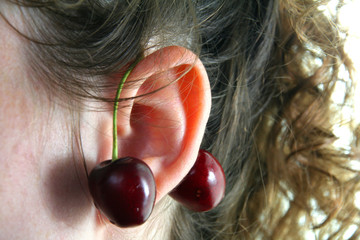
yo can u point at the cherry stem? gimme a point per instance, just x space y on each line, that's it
116 106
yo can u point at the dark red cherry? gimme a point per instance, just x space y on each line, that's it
204 186
123 190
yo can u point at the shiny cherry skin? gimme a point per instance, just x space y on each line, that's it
204 186
123 190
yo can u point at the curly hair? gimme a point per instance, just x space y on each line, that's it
273 67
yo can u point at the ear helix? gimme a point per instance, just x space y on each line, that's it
124 189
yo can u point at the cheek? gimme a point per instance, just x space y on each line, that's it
19 149
16 118
16 115
16 111
19 166
42 187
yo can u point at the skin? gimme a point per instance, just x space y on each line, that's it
43 187
37 188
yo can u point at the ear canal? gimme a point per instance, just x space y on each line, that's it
204 186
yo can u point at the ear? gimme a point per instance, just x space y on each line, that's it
163 118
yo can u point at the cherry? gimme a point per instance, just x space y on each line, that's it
204 186
123 190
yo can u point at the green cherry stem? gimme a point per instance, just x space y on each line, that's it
116 106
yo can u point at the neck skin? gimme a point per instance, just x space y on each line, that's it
43 191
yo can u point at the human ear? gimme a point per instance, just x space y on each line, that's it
163 115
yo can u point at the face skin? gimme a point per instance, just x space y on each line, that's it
41 196
43 187
43 192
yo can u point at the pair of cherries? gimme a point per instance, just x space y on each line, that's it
124 190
